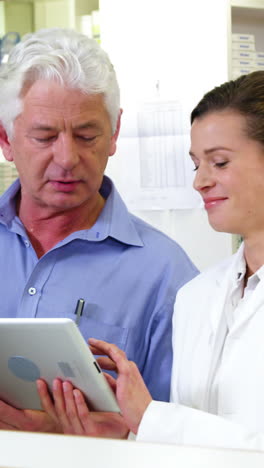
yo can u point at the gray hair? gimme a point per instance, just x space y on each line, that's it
64 55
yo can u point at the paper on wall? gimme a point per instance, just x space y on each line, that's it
152 168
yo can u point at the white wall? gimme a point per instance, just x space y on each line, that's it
183 44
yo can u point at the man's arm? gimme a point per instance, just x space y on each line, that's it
27 420
156 371
158 334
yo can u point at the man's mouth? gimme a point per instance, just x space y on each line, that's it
65 185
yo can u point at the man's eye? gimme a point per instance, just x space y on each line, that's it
45 140
86 138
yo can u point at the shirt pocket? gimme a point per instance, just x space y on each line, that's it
92 328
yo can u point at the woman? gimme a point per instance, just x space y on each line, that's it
217 387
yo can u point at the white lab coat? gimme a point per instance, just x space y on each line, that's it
200 341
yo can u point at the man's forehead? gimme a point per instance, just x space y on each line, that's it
50 94
49 106
51 124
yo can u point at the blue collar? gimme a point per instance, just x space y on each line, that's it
114 221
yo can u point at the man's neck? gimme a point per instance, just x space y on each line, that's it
45 227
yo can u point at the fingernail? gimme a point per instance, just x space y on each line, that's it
55 384
38 382
92 340
66 386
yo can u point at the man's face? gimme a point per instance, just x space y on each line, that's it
60 146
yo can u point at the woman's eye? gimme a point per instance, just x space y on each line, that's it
196 168
221 164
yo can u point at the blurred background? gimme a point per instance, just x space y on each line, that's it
167 54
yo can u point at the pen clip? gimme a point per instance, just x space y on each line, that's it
79 310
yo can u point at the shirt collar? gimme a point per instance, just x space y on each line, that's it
8 203
114 221
260 272
240 267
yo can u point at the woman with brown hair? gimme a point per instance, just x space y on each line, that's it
217 386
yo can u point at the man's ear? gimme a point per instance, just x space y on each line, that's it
115 135
5 145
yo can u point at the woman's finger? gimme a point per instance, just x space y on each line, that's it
106 363
75 426
111 381
59 403
109 349
84 413
46 399
96 350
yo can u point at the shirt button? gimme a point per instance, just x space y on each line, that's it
27 243
32 291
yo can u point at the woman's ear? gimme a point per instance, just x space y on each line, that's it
4 144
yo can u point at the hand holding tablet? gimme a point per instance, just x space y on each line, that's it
48 349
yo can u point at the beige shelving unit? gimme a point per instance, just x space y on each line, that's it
25 16
16 16
247 17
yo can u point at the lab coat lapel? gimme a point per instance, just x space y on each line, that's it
223 285
221 291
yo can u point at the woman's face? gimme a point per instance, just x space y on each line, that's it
229 172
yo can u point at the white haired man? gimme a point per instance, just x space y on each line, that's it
65 233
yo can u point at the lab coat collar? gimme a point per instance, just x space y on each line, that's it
225 283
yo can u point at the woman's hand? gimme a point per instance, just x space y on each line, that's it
131 392
68 406
69 409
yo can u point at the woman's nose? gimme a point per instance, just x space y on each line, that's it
203 178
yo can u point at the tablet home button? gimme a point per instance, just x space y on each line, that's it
23 368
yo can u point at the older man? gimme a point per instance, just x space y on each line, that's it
65 233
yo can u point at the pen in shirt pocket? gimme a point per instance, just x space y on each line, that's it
79 310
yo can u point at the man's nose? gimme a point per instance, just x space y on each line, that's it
65 152
203 178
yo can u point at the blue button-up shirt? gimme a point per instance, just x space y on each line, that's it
127 272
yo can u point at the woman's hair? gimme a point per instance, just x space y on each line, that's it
65 56
245 95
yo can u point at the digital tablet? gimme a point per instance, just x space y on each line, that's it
48 348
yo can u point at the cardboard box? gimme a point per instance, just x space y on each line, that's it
243 37
243 46
244 55
260 65
260 55
236 72
242 63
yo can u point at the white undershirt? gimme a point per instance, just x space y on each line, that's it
235 309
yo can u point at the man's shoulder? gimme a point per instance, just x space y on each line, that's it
160 243
150 235
147 230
